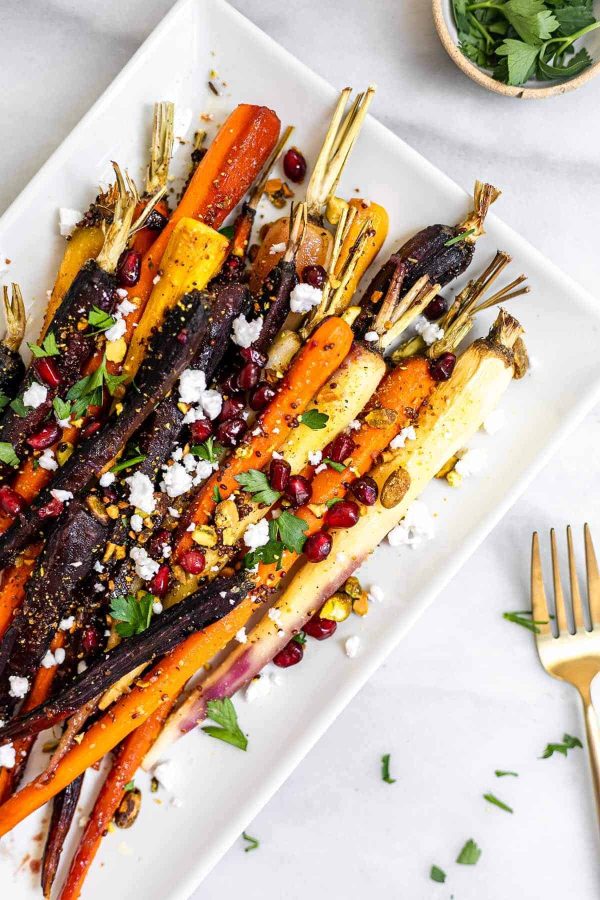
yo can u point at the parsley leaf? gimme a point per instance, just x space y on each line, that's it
257 484
437 874
8 455
62 408
223 713
88 391
209 451
500 773
573 18
494 800
289 529
4 400
253 843
100 320
228 231
20 408
338 466
130 786
569 743
132 615
300 638
49 347
216 494
469 855
128 463
269 553
385 770
530 19
521 60
314 419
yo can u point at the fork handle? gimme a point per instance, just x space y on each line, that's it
593 742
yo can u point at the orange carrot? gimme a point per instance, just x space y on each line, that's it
320 356
225 173
14 580
123 769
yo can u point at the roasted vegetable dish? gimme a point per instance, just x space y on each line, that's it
215 429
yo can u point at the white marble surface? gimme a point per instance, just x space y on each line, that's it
463 694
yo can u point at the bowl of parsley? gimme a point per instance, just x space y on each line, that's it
522 48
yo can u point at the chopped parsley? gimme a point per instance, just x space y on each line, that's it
300 638
228 231
459 237
253 843
385 770
20 408
209 451
4 400
469 855
130 786
128 463
132 615
100 320
223 713
285 533
257 484
89 390
216 495
339 467
494 800
49 347
62 408
314 419
501 773
568 743
437 874
8 455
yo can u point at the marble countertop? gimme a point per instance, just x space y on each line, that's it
334 829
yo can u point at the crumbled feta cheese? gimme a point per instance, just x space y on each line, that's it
35 395
257 535
107 479
429 331
63 496
189 462
8 756
212 403
121 294
177 454
99 587
203 470
174 513
192 384
76 565
157 607
352 646
59 656
371 337
67 624
354 425
416 526
194 414
320 468
117 330
67 220
81 666
18 686
277 248
156 279
124 849
48 660
98 567
244 332
494 422
47 460
277 455
407 434
304 297
136 522
258 688
315 457
281 633
274 614
472 463
375 594
126 306
141 492
176 481
241 636
166 551
145 567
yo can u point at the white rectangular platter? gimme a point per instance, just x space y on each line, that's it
172 847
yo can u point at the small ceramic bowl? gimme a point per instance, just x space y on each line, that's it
446 29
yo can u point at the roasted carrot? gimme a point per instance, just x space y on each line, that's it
130 756
14 579
314 364
227 170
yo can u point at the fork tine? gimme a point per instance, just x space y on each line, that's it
576 599
539 606
560 610
593 577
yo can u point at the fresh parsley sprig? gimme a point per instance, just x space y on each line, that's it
257 484
99 320
286 532
132 615
48 347
209 451
314 419
223 713
8 455
568 743
89 390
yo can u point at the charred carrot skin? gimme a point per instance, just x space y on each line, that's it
320 356
64 808
14 580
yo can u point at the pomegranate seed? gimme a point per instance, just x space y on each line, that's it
157 541
90 639
156 221
233 268
248 377
201 430
279 474
344 514
249 354
230 386
231 408
442 368
230 433
435 309
10 502
262 396
291 655
294 165
193 562
340 448
45 437
160 583
298 490
48 371
128 268
319 628
365 489
52 509
318 546
314 275
182 337
91 428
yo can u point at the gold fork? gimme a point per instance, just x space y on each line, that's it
571 651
